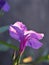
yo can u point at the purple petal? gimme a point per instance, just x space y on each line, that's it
34 43
15 33
6 7
20 25
34 34
2 2
18 28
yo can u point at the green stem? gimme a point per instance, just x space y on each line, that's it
20 58
15 59
9 45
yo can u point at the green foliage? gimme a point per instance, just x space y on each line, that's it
9 45
4 28
42 58
3 47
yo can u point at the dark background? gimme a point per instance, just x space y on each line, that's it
35 15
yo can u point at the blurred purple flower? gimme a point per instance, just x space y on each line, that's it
26 37
4 5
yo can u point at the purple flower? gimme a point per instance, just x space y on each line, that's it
26 37
4 5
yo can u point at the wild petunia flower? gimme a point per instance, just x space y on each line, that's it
4 5
26 37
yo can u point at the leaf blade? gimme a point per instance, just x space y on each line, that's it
9 45
4 28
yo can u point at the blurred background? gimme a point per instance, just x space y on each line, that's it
35 15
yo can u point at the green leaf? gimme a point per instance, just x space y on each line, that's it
4 28
3 47
9 45
42 58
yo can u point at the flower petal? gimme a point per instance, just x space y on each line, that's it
6 7
2 2
17 30
34 43
34 34
20 25
13 33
